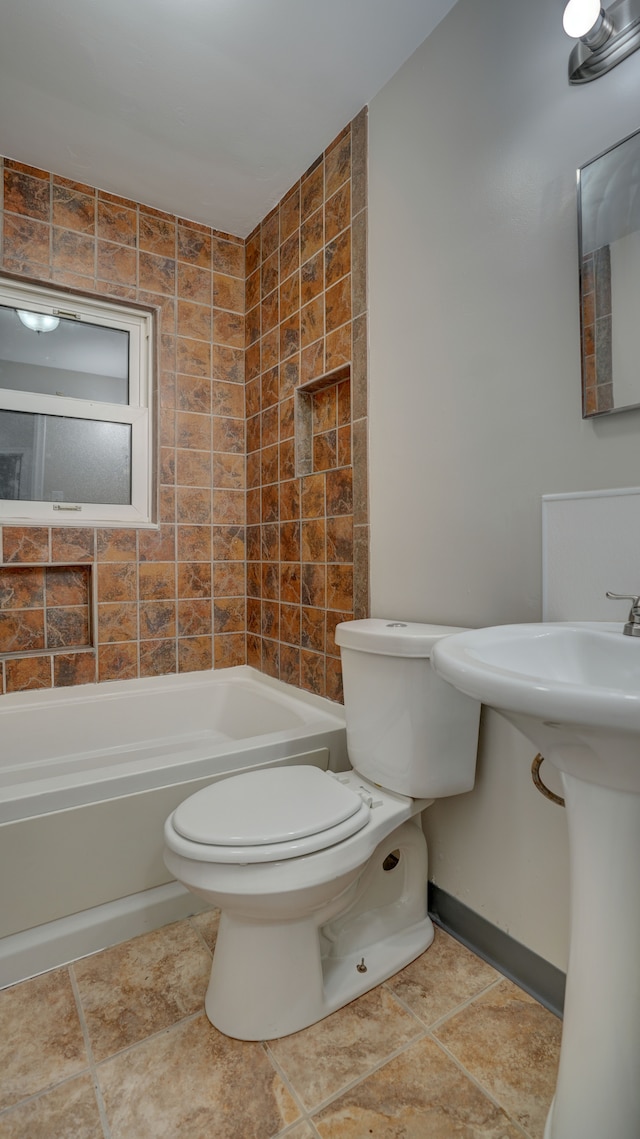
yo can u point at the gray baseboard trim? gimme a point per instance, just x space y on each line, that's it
532 973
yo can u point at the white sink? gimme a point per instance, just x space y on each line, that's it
573 689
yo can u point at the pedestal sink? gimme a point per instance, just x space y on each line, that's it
574 690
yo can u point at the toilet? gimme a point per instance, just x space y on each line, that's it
320 876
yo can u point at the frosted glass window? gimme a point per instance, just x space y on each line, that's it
76 425
57 459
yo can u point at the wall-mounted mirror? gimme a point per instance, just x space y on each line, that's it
609 232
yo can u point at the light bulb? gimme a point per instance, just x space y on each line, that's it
580 16
38 321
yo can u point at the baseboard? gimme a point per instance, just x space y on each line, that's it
58 942
532 973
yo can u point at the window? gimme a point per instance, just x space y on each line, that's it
76 440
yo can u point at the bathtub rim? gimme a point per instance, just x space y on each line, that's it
100 776
40 697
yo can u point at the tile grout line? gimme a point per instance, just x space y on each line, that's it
322 1104
152 1036
291 1128
435 1024
43 1092
92 1064
304 1115
425 1033
474 1080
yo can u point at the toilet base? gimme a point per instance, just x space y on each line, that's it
294 1002
272 978
342 980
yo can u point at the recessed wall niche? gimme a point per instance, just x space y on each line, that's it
323 423
45 609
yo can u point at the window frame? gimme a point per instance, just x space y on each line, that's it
138 321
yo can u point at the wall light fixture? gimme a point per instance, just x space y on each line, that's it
605 37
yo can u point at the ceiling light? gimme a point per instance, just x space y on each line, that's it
38 321
605 37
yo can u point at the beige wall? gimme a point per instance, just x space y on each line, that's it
475 387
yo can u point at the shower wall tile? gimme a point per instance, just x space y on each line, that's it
253 561
306 266
152 612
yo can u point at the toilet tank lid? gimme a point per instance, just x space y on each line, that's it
392 638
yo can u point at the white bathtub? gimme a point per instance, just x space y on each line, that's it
88 776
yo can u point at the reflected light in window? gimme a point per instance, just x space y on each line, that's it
38 321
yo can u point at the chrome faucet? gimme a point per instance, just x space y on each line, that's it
632 627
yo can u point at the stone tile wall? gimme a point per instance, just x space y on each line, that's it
262 461
166 600
306 385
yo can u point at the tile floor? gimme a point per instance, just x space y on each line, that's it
117 1046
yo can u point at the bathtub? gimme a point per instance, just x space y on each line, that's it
88 776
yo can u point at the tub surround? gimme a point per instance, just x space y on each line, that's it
307 500
293 294
153 590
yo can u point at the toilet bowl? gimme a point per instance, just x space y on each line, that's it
320 876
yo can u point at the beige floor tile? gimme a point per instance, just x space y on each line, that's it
207 926
41 1041
510 1044
194 1082
142 986
322 1059
175 1080
69 1111
442 978
421 1094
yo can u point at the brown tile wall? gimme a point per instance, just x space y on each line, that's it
173 599
45 608
307 520
242 325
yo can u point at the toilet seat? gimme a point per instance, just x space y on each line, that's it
267 816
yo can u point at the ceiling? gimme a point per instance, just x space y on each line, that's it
209 109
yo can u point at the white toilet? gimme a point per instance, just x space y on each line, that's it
321 878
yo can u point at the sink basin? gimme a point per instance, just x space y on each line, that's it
573 689
563 657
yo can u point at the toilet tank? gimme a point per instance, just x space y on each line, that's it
407 729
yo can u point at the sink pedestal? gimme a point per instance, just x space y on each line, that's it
573 689
598 1089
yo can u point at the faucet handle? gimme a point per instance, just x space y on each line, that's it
634 597
632 627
